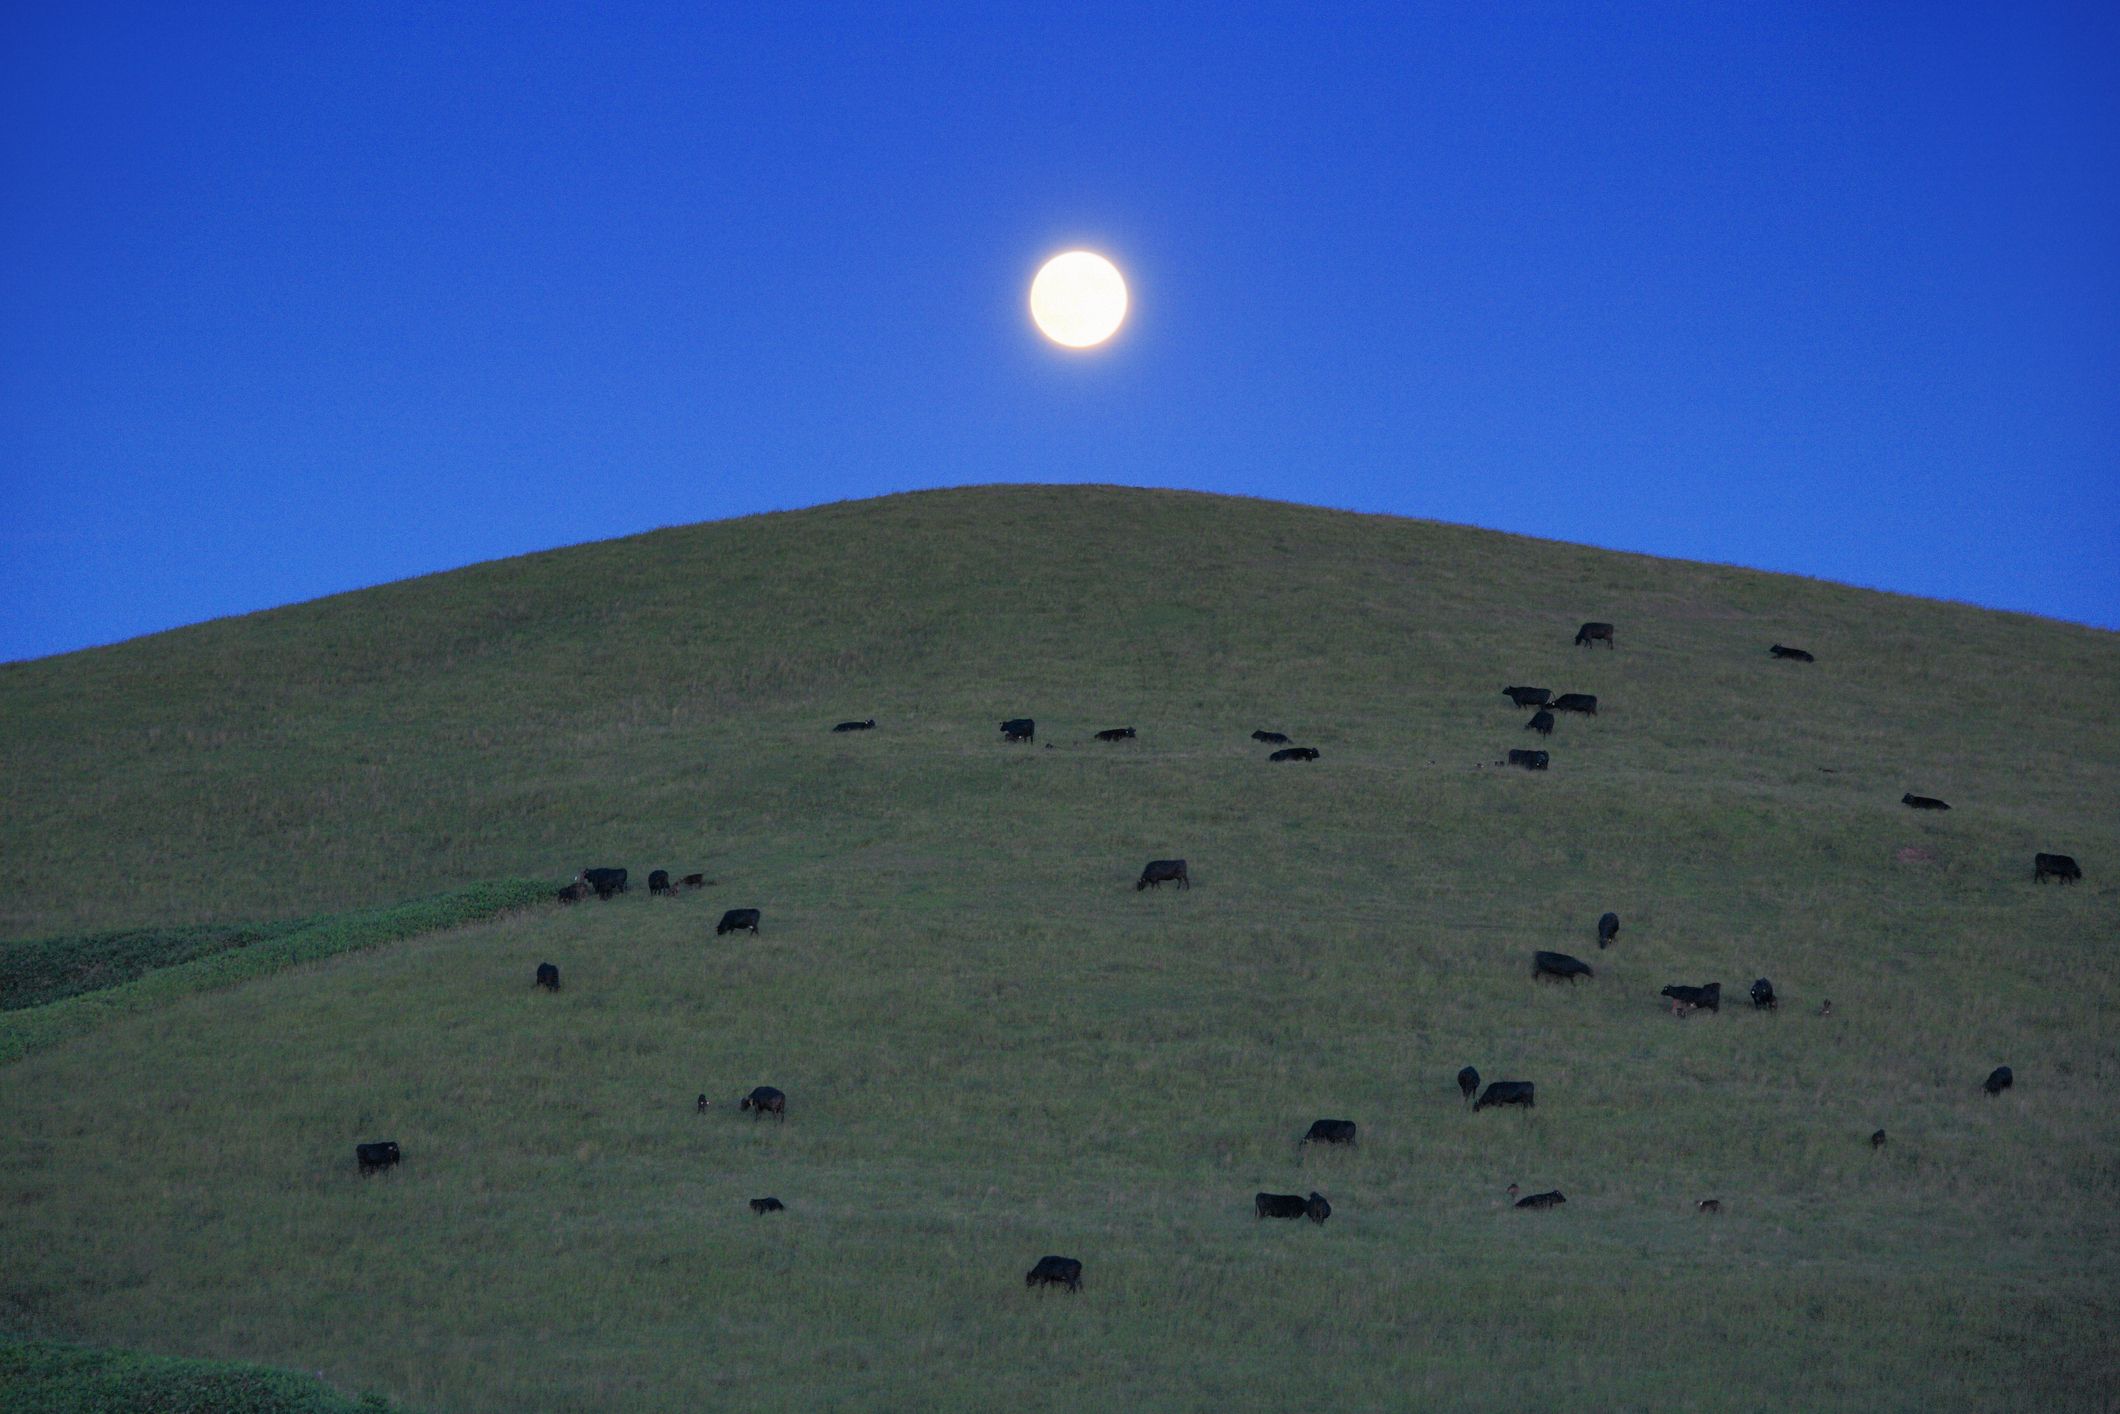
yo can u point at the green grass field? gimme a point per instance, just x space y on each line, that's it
995 1048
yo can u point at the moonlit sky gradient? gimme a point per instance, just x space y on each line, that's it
295 299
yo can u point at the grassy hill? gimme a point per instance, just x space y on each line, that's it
995 1048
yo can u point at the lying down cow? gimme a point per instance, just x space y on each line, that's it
373 1158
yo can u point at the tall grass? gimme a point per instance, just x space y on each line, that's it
49 1377
167 966
995 1048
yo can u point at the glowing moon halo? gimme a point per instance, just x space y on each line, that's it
1078 299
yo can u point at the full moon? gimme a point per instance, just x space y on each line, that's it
1078 299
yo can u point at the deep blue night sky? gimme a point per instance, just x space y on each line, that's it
292 304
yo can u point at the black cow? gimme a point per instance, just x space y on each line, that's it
1877 1140
1607 929
1708 1205
606 882
1763 998
1332 1131
694 881
738 918
1019 729
1529 760
1794 655
373 1158
574 892
1116 734
1559 966
1685 999
1163 871
1999 1079
1922 802
547 977
659 882
1291 1205
704 1103
1271 738
1528 696
762 1206
1295 753
1541 722
1593 634
2055 866
868 726
1054 1271
1468 1083
763 1101
1507 1092
1541 1202
1583 702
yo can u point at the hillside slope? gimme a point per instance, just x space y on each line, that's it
995 1047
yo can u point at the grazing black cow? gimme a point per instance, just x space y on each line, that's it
1019 729
1295 753
1877 1140
1999 1079
1468 1083
763 1101
762 1206
1055 1271
737 918
1583 702
2055 866
1116 734
1163 871
1708 1205
1529 760
1763 998
1685 999
1541 722
659 882
574 892
1280 1205
1922 802
547 977
606 882
1794 655
1291 1205
868 726
373 1158
1593 634
1541 1202
1528 696
694 881
1559 966
1271 738
1507 1092
704 1102
1607 929
1331 1131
